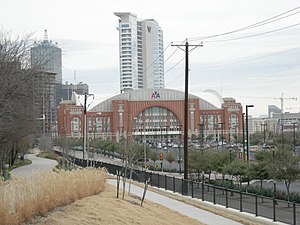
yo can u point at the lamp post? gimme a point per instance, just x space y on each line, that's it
141 138
247 131
282 139
294 128
222 123
201 134
145 154
264 126
217 135
243 126
167 141
179 150
161 127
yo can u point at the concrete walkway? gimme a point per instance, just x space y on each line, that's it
38 165
185 209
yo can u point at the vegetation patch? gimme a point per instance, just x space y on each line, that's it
18 163
49 155
21 199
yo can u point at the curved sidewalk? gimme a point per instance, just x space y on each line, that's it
38 165
185 209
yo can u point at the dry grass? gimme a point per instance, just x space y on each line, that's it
21 199
105 208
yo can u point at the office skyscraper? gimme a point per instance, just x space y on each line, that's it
47 57
141 53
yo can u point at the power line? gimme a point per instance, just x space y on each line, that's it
246 60
255 35
157 57
251 26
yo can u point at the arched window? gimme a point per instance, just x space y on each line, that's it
156 124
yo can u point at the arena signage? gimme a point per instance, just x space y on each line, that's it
155 95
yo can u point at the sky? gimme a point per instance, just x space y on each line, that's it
254 65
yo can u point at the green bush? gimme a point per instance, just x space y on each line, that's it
267 192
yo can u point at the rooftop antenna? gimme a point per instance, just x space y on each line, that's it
221 86
75 77
2 31
45 36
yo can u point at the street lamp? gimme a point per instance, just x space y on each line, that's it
201 134
247 131
243 125
135 129
179 150
264 126
145 154
167 139
222 123
161 127
294 128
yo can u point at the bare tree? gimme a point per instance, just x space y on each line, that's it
132 155
17 118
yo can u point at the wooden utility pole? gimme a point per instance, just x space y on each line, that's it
186 98
85 125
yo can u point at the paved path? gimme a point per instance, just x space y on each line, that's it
38 164
41 164
185 209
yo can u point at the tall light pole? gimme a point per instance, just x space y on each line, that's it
243 124
179 150
247 131
201 134
222 124
294 128
145 154
141 138
264 126
135 129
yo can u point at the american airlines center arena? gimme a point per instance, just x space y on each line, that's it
154 115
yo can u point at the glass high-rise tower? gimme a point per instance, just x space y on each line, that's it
47 56
141 53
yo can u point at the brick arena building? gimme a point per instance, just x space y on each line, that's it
156 115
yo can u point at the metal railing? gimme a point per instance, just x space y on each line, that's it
275 209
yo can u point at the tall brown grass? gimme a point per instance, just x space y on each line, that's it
21 199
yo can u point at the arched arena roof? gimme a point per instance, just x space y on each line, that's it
209 99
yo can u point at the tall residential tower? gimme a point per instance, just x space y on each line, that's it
141 53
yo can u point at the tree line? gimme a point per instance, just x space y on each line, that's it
17 119
277 164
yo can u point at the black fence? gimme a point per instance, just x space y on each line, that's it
277 210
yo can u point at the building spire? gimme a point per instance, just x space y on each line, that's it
45 36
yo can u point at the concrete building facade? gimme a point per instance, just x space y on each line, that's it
44 100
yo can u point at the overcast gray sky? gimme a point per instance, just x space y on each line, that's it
257 62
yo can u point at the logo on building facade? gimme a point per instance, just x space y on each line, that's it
155 95
149 29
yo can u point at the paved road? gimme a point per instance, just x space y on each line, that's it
185 209
38 164
295 186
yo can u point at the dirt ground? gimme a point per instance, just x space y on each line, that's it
105 208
